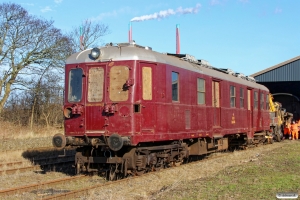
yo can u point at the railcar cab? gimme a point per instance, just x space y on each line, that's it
98 102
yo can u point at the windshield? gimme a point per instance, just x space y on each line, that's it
118 77
75 85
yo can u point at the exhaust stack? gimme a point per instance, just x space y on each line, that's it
129 32
177 39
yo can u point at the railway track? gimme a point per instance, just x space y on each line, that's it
38 164
85 191
38 186
79 193
75 193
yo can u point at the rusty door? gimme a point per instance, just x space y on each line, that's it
249 109
216 103
148 111
95 98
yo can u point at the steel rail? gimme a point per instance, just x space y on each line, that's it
30 187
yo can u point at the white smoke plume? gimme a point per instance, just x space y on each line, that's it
166 13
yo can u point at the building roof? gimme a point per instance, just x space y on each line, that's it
275 66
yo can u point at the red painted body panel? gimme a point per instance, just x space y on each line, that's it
160 118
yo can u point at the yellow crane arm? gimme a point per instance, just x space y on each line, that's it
271 103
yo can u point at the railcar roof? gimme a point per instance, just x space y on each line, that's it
122 52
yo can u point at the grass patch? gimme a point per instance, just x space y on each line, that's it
14 131
276 171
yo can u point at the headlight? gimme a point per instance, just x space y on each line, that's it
95 53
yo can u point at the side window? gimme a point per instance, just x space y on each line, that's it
268 101
232 96
255 100
201 90
75 85
147 83
262 102
95 84
175 86
241 97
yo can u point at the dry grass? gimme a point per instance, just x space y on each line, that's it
13 131
253 174
11 156
232 177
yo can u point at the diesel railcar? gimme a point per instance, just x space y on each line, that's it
129 109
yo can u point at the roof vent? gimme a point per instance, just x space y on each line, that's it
227 71
240 75
250 78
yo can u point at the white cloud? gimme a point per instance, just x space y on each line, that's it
58 1
166 13
278 10
46 9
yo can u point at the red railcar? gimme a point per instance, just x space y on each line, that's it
129 109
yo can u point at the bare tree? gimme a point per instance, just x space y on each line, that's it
27 46
88 35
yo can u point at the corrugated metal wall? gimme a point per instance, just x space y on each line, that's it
288 72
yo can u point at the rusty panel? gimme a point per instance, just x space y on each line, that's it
249 99
223 144
95 84
215 94
198 148
187 119
217 88
147 83
118 77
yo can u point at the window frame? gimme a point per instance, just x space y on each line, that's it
268 101
262 102
199 91
94 83
70 86
255 100
176 90
117 92
232 96
242 98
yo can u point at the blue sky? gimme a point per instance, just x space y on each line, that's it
244 35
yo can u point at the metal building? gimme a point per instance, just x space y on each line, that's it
283 81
